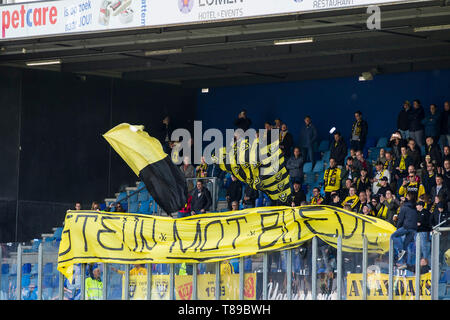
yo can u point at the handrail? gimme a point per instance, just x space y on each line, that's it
145 188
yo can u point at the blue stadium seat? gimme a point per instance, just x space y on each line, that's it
122 197
57 234
133 196
326 156
371 142
382 142
36 243
324 146
307 167
144 207
318 167
319 178
134 207
48 268
143 195
310 177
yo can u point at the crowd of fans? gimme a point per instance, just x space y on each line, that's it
407 185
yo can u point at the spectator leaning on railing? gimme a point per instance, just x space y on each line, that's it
201 199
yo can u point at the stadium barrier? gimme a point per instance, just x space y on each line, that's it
33 276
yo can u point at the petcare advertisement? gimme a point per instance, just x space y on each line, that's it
47 18
71 16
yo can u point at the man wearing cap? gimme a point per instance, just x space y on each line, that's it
423 229
384 186
380 172
440 216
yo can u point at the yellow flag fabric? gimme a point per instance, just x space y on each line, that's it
261 167
135 146
91 236
145 156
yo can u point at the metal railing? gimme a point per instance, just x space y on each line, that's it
289 279
211 184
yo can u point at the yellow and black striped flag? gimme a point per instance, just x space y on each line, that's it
145 156
262 167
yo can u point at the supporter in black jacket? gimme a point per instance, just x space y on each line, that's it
396 142
250 196
403 118
416 128
335 200
201 199
429 178
433 150
414 153
439 189
338 149
234 191
297 195
242 122
423 218
286 141
440 216
401 167
444 119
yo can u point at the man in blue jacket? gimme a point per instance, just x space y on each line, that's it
432 123
308 137
406 226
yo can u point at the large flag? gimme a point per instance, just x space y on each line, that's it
260 166
145 156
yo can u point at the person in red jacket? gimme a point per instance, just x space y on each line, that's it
186 211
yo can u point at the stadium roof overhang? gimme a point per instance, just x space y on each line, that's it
243 52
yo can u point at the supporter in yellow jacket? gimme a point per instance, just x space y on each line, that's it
352 199
332 180
411 185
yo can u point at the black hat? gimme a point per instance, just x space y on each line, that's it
440 205
384 178
420 203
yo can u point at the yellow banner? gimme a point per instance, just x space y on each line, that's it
378 286
229 287
108 237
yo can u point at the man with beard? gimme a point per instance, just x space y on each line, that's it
286 141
